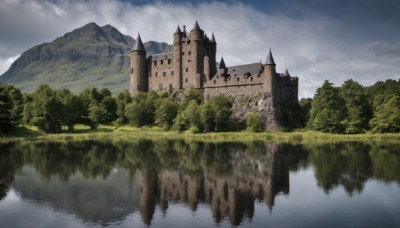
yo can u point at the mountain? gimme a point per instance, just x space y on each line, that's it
86 57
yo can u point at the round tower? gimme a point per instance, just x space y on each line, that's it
196 37
138 67
178 58
269 74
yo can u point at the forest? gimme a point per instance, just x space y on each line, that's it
349 109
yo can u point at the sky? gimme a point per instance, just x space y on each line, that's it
315 40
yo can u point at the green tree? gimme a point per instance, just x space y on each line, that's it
387 116
73 108
223 111
46 110
254 122
11 107
142 110
122 100
189 118
305 104
358 109
328 110
166 112
207 117
98 115
28 109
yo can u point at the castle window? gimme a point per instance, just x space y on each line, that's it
155 63
156 74
215 81
187 69
162 61
164 74
188 60
186 80
183 53
188 42
169 61
237 78
251 79
172 72
132 71
190 52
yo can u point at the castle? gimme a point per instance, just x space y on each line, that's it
193 64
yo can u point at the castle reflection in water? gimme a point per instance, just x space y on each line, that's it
230 196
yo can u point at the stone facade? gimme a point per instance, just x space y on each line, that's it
193 64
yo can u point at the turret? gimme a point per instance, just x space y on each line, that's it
138 79
269 74
197 55
178 58
222 69
213 54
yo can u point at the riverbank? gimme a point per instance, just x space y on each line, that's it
127 132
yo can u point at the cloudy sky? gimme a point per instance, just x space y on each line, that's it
315 39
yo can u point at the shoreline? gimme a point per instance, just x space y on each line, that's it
127 132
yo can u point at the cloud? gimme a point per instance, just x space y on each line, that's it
314 47
6 63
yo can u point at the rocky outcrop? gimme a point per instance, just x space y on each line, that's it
263 104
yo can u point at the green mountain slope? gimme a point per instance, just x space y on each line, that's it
86 57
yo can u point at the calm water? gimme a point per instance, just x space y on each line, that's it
190 184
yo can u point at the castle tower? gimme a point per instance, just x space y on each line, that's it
212 56
138 82
178 58
269 74
197 38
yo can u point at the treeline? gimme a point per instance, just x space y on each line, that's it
349 109
50 109
353 108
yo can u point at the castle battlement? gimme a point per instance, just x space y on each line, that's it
193 64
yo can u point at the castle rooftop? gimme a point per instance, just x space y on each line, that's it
138 46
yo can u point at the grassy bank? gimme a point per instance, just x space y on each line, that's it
127 132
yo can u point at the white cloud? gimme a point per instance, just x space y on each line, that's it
314 48
6 63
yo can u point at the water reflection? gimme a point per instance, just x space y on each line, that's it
102 182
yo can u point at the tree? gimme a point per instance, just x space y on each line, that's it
223 111
387 116
254 122
11 107
46 110
305 104
142 110
122 100
189 118
166 112
73 108
98 115
358 109
207 117
328 110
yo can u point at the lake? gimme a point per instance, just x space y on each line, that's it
176 183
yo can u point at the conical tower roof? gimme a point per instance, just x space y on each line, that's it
178 30
213 38
270 59
138 46
287 73
222 64
196 26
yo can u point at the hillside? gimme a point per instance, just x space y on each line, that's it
86 57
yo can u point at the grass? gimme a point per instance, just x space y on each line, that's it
127 132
